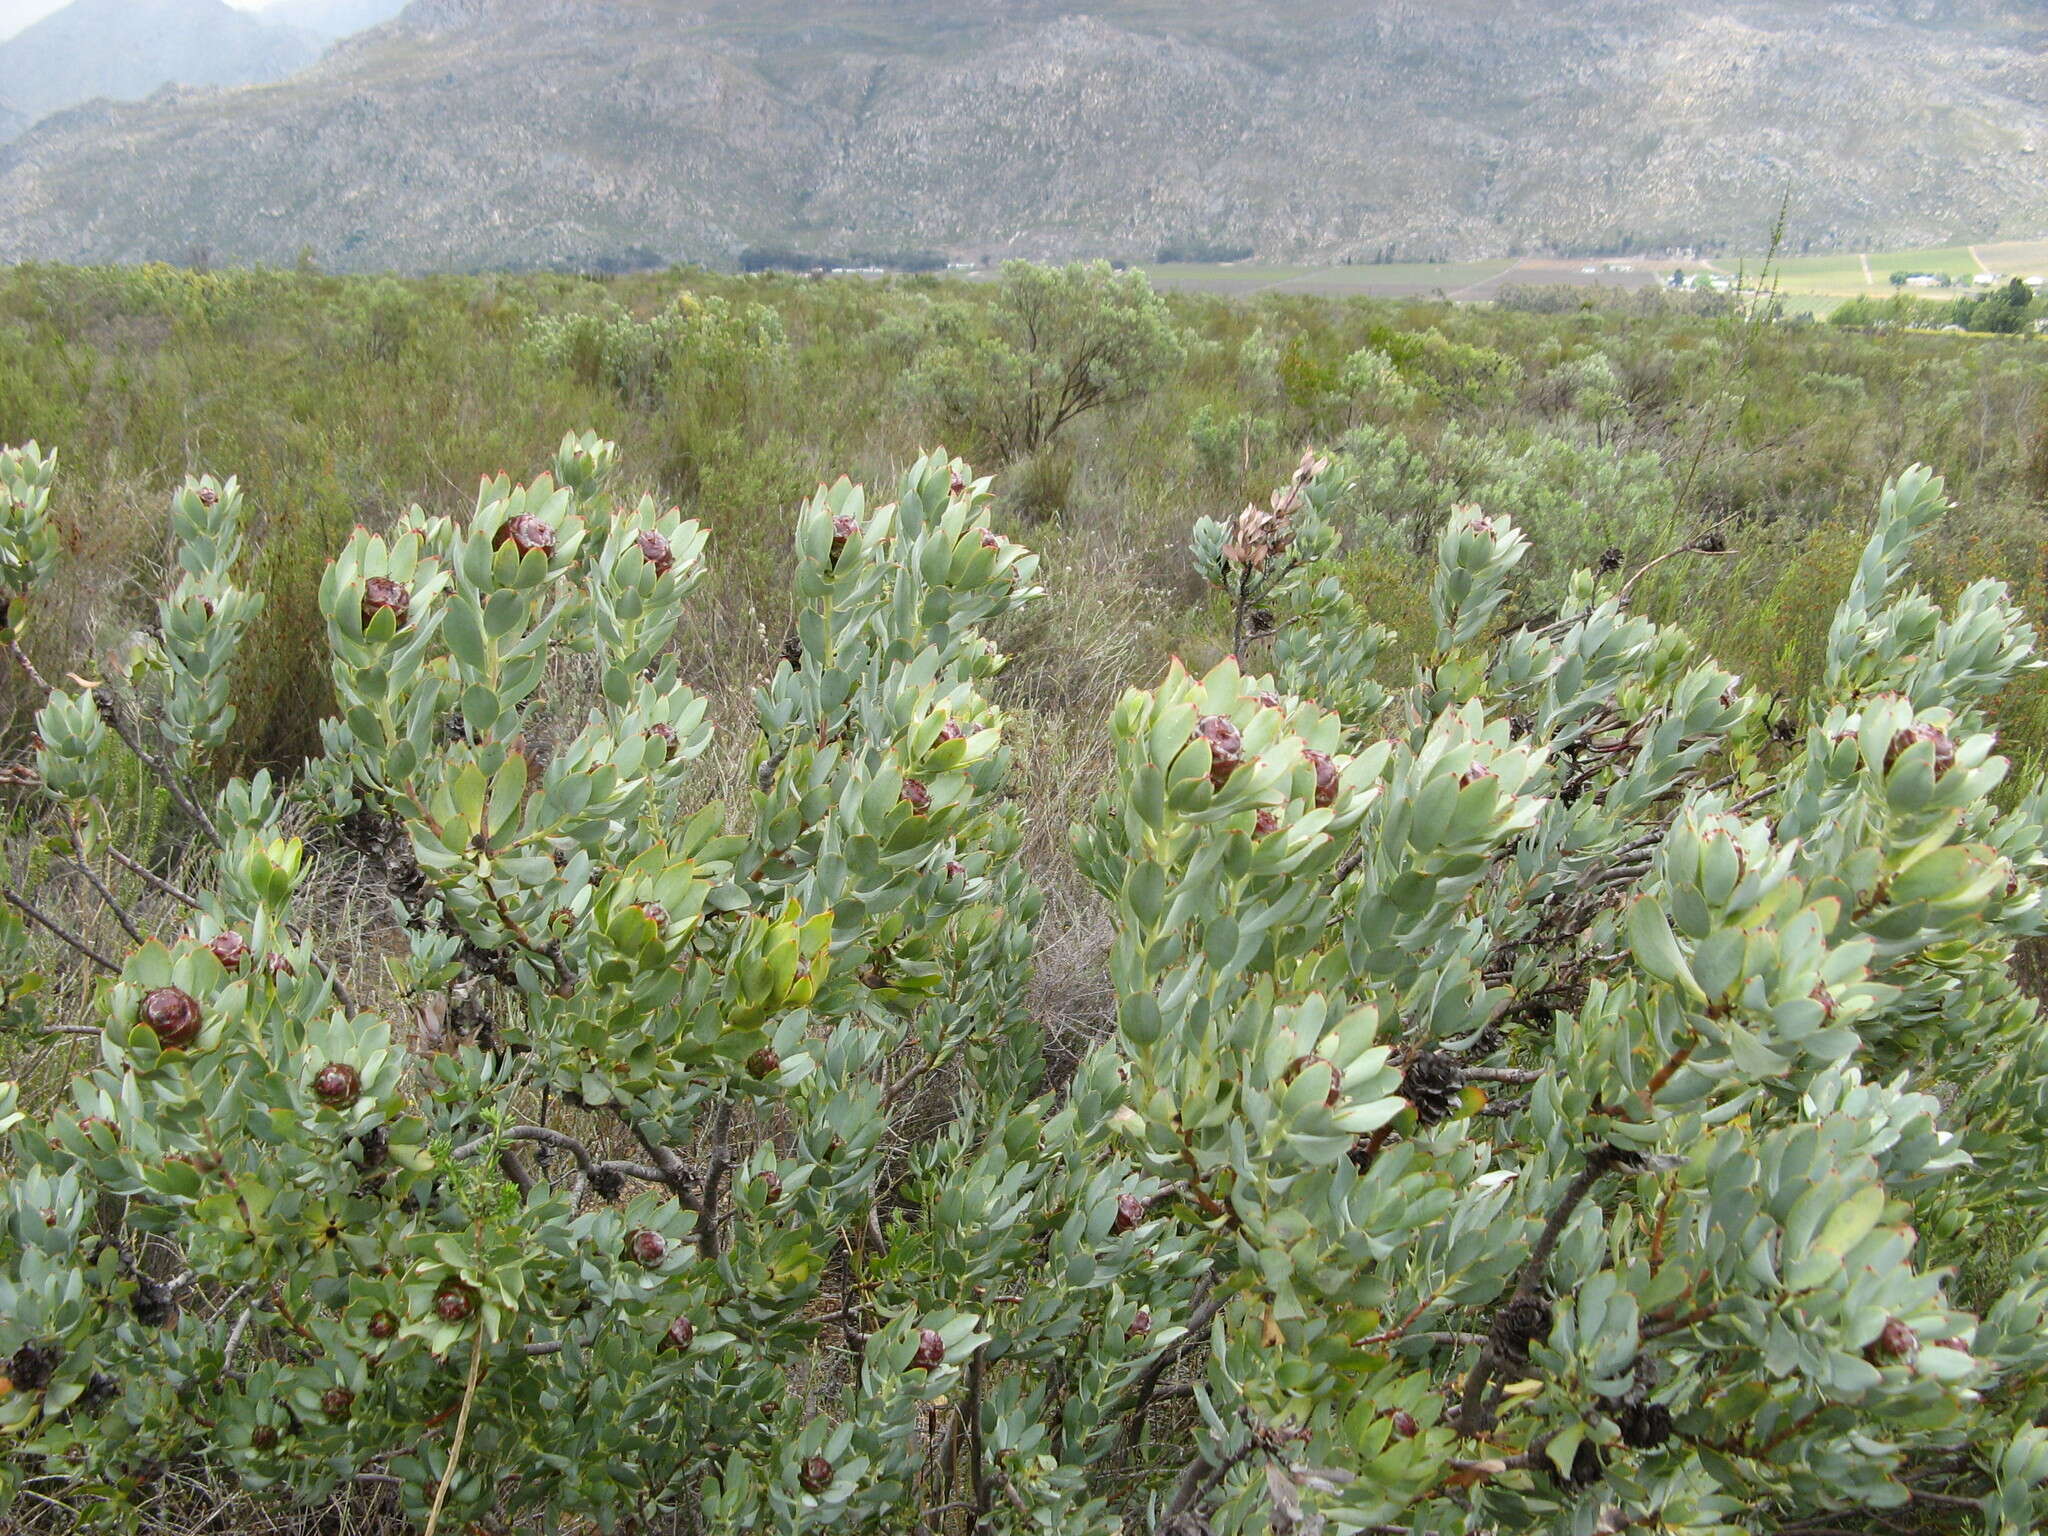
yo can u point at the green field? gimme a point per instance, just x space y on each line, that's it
1812 284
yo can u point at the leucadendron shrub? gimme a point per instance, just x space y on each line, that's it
1529 1082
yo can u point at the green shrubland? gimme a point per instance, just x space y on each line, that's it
665 991
339 400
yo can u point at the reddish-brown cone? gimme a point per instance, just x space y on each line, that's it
679 1334
655 551
230 949
337 1084
815 1475
32 1366
916 796
337 1402
172 1016
1912 736
1130 1210
1326 777
1895 1341
1226 747
525 533
646 1248
931 1350
765 1062
455 1302
383 595
1140 1325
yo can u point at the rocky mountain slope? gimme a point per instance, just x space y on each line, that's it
126 49
470 133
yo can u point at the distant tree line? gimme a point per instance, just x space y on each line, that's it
620 263
776 258
1202 250
2004 310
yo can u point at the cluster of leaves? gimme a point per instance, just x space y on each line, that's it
1525 1087
693 336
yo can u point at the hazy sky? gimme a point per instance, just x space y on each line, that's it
16 14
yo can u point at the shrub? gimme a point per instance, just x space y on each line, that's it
1526 1086
1457 372
710 339
1374 382
1225 445
1054 344
1397 496
1594 506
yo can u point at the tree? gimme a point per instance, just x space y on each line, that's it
1527 1086
1051 345
2003 311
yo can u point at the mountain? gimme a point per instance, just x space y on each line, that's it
127 49
331 19
474 133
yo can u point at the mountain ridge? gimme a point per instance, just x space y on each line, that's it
473 133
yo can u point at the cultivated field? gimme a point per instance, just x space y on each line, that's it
1811 283
1406 279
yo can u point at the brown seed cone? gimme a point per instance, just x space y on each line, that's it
172 1015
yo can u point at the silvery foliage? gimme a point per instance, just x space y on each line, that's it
1526 1084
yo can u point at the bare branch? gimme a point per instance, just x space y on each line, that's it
173 785
714 1176
151 878
513 1169
99 887
1471 1418
28 910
